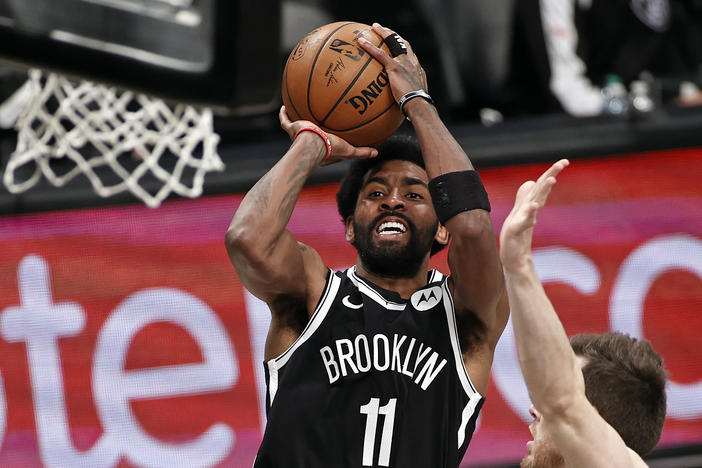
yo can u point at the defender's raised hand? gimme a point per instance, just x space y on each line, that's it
518 228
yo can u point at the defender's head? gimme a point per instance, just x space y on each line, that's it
625 382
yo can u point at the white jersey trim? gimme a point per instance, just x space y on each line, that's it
275 364
272 380
466 416
366 289
474 396
434 276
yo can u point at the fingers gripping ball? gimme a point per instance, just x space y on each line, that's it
330 80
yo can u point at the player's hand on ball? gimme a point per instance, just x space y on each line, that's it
340 148
404 70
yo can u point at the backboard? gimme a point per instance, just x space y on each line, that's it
221 53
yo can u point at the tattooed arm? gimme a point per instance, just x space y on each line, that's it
476 281
271 264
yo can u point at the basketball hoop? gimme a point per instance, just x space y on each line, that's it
121 140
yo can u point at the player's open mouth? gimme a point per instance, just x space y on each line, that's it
389 228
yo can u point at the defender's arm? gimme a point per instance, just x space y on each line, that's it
551 371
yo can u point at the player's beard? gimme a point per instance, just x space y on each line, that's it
390 258
543 455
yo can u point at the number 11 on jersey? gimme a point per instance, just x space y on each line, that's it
372 409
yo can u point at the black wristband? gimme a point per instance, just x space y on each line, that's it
455 192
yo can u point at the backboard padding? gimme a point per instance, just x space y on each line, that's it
223 53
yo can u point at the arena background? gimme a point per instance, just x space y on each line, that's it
126 338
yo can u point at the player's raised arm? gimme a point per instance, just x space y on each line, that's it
548 362
269 261
551 371
461 204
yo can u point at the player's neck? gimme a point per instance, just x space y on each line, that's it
404 286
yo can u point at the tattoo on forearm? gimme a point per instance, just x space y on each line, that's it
273 198
295 182
304 167
287 204
261 192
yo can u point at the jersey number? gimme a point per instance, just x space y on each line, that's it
372 409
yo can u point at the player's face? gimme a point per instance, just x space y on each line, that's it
542 452
394 223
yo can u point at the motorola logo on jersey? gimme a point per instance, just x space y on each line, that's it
425 299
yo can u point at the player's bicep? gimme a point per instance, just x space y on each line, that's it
270 273
476 272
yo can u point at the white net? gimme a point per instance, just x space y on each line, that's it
121 141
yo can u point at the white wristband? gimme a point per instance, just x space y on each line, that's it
411 95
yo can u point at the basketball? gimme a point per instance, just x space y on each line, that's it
331 81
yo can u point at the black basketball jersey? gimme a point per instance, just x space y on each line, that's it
373 381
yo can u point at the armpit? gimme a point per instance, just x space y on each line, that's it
291 311
471 331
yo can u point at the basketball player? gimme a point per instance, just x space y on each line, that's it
598 401
386 363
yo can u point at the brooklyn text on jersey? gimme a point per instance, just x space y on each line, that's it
396 354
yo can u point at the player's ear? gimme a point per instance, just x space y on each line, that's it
350 235
442 235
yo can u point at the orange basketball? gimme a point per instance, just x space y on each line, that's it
330 80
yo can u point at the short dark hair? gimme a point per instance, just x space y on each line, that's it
397 147
625 381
